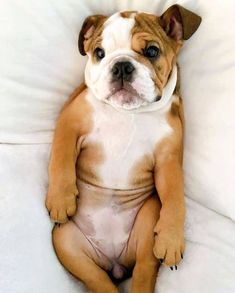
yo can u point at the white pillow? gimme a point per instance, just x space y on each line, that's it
207 85
40 67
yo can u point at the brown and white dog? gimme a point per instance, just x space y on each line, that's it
118 147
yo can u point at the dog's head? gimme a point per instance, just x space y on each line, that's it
131 54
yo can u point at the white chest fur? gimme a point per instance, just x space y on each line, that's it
125 139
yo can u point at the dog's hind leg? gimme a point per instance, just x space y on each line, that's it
79 257
139 251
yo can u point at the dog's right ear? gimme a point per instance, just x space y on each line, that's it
87 30
179 23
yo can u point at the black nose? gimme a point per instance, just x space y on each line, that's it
122 70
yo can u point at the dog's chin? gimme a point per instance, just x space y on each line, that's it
125 99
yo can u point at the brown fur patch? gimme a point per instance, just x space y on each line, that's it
90 158
127 14
169 185
74 112
177 87
172 146
90 155
141 173
179 22
74 123
90 27
146 32
96 39
70 125
74 95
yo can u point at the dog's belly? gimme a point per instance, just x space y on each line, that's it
115 174
106 216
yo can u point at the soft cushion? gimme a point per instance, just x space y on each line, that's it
40 67
28 262
208 75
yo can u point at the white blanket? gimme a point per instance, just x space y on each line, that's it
27 260
39 67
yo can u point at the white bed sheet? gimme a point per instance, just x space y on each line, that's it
40 66
27 259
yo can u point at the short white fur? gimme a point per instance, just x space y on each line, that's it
116 42
125 138
117 33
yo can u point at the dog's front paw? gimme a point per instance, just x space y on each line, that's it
169 247
61 205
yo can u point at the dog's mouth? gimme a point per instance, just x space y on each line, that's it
124 95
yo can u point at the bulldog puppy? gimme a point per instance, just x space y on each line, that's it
115 173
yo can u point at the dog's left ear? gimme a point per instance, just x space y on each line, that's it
179 23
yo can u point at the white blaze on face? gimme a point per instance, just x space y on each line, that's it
116 42
117 33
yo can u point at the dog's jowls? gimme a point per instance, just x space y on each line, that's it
115 174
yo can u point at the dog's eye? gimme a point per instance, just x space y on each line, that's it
99 53
151 52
